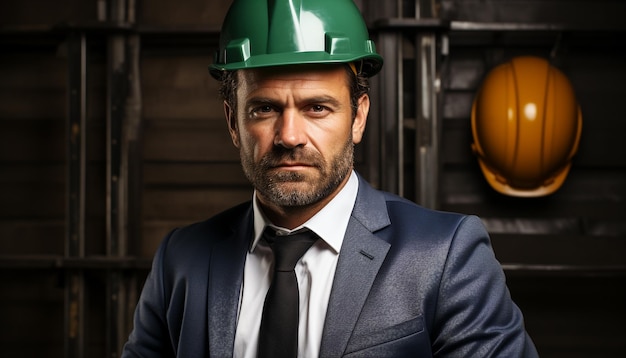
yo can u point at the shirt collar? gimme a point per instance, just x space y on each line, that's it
329 224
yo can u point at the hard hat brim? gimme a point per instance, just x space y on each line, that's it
542 190
371 64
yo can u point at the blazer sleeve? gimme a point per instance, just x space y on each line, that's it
150 337
475 314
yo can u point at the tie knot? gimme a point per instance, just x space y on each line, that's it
288 249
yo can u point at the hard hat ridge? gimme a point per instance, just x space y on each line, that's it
285 26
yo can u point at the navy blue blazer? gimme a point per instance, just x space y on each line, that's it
410 282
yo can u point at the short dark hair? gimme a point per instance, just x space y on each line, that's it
358 83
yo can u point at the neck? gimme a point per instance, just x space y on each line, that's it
290 217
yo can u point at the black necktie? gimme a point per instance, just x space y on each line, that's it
278 336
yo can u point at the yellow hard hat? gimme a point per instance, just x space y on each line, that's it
526 126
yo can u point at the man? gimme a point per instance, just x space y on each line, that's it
383 277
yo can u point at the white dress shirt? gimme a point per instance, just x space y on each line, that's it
315 272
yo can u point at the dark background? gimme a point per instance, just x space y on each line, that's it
111 134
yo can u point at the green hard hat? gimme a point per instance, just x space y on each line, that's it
262 33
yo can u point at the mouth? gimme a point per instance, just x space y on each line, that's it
290 161
292 166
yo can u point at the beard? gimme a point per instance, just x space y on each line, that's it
296 189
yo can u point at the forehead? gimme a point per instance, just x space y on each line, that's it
298 76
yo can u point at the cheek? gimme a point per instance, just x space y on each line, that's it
329 141
255 141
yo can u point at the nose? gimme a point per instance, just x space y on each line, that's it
290 130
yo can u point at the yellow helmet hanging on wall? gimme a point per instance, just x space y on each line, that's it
526 126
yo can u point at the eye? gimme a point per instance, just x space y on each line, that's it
318 110
262 111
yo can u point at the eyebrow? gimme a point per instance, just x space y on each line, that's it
259 100
310 100
325 99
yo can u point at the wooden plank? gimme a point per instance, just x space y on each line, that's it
193 174
193 13
33 173
188 140
25 70
32 305
43 140
47 13
179 87
32 237
61 262
25 196
556 307
564 249
33 85
191 204
583 14
32 103
28 201
586 194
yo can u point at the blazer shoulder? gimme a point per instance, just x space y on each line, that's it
380 210
416 225
219 227
224 221
402 209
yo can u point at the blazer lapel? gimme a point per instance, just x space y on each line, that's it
224 285
362 255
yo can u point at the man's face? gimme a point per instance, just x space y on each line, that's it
295 132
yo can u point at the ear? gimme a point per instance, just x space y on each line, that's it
231 121
360 120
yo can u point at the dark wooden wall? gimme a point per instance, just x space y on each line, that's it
564 255
561 251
